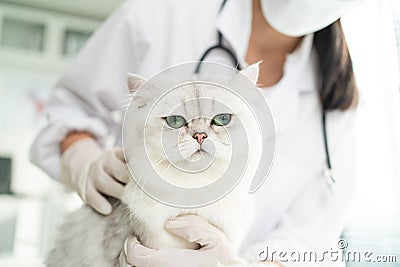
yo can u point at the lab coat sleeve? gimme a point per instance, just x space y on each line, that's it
91 88
316 218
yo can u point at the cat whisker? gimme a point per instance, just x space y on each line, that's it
169 165
225 144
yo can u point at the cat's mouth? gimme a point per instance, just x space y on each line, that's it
201 151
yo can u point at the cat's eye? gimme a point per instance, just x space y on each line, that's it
222 119
175 121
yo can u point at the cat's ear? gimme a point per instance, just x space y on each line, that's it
252 72
135 82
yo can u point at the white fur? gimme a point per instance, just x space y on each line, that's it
89 239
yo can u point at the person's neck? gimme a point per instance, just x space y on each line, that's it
268 45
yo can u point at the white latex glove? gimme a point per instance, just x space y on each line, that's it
215 249
92 171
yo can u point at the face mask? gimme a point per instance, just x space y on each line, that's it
302 17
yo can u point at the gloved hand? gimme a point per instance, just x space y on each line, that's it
92 171
215 249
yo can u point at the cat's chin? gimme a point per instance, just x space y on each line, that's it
196 180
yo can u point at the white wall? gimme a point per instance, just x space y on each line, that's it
371 38
26 79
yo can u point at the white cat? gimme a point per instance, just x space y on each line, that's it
89 239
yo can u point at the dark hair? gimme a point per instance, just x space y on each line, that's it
338 88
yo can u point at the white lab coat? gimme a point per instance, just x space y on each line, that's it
295 209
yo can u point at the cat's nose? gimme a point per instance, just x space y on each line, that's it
200 137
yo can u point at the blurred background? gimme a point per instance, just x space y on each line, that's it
38 38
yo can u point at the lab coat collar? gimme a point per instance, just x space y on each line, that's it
234 22
299 68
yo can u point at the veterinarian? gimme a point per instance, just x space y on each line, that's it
306 76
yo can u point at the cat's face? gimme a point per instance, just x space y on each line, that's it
188 131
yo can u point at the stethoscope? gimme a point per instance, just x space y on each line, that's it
327 174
